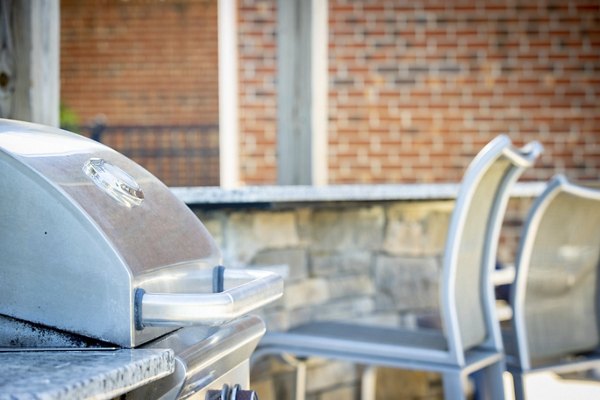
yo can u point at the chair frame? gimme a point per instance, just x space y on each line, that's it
454 363
521 363
457 226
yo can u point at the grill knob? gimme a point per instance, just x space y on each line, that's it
113 181
234 393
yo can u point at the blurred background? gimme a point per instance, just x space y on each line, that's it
237 93
413 88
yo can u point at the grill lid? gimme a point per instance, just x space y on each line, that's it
144 222
84 227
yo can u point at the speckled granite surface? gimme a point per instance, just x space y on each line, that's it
80 374
297 194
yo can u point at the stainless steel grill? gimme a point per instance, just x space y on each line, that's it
95 246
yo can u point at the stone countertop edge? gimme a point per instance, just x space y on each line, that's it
88 374
211 195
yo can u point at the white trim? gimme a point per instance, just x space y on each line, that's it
228 94
319 91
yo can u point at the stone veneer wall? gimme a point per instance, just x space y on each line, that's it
371 262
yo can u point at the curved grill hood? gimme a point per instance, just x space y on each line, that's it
82 226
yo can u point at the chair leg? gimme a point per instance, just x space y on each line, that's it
455 385
300 380
519 385
299 365
368 383
491 382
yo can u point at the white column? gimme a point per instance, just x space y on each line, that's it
319 88
32 60
228 94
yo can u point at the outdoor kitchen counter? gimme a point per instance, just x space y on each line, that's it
248 195
101 374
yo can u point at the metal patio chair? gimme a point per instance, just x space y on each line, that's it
555 294
471 340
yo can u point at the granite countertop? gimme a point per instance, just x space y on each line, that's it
314 194
73 374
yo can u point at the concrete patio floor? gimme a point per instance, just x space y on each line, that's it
549 386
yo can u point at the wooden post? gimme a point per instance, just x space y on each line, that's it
302 92
7 67
29 60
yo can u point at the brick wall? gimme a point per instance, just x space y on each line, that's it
143 63
415 87
140 62
418 87
258 92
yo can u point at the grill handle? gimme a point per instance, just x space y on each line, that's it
181 309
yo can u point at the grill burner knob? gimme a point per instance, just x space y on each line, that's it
235 393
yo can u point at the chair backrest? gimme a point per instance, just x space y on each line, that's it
467 298
556 285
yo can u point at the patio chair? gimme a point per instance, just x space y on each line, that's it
555 294
471 340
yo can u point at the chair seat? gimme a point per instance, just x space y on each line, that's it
378 337
567 363
559 365
370 345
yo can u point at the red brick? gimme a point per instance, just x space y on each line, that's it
415 76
